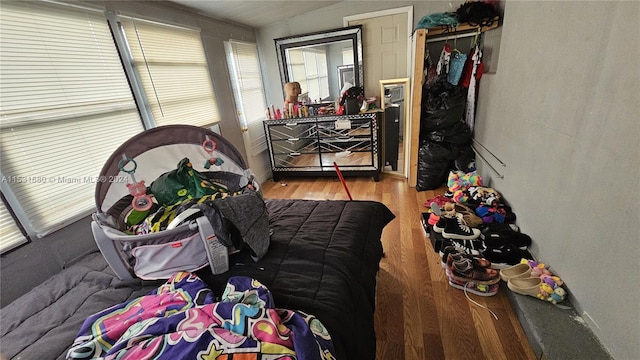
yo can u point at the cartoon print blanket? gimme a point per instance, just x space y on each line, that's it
182 320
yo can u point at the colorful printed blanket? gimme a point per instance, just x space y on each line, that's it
182 320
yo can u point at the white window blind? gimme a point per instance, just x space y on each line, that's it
10 234
66 106
246 77
172 67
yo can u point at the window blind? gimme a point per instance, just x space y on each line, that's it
66 106
10 234
172 67
244 66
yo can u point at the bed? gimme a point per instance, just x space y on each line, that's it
322 260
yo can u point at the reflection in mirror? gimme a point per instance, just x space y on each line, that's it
322 62
395 103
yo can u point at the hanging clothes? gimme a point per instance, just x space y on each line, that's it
430 73
443 63
456 65
476 73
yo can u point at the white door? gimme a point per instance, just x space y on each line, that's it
384 42
248 90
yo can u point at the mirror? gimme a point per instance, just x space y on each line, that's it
395 103
322 62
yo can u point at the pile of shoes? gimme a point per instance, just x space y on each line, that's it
479 243
477 218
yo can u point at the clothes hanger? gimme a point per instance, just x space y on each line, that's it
455 46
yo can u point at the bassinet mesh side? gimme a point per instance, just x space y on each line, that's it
165 136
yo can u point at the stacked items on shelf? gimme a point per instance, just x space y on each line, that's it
474 231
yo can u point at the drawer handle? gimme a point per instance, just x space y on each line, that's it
293 139
291 124
294 154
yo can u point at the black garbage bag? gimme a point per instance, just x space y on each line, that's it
434 162
466 159
457 134
442 106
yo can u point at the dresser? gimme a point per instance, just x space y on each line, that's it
310 146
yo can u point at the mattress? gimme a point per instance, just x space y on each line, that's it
322 260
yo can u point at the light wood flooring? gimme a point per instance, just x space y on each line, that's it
418 315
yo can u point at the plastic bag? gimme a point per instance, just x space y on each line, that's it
456 64
183 183
434 162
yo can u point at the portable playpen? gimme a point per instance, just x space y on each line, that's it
187 233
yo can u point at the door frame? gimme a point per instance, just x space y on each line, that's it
408 141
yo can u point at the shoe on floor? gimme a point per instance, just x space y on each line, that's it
495 238
505 255
516 271
455 252
456 228
537 288
452 275
472 271
474 287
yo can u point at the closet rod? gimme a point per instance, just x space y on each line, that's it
447 36
500 176
489 151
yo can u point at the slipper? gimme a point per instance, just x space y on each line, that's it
525 286
537 288
516 271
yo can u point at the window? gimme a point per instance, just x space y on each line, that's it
248 89
172 67
10 234
309 68
246 79
66 106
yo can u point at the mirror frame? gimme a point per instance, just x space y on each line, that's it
353 33
407 117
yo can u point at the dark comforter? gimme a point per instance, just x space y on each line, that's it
322 260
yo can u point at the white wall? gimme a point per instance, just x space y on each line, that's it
562 112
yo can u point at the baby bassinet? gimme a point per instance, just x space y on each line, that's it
188 246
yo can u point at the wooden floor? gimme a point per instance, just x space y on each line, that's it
418 315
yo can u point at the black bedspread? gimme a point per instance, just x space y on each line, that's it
323 260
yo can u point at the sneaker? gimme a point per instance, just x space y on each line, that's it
471 247
456 228
440 224
505 255
505 236
475 288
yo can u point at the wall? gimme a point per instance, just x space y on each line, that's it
327 18
562 112
29 265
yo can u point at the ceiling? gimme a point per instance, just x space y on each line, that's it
253 13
